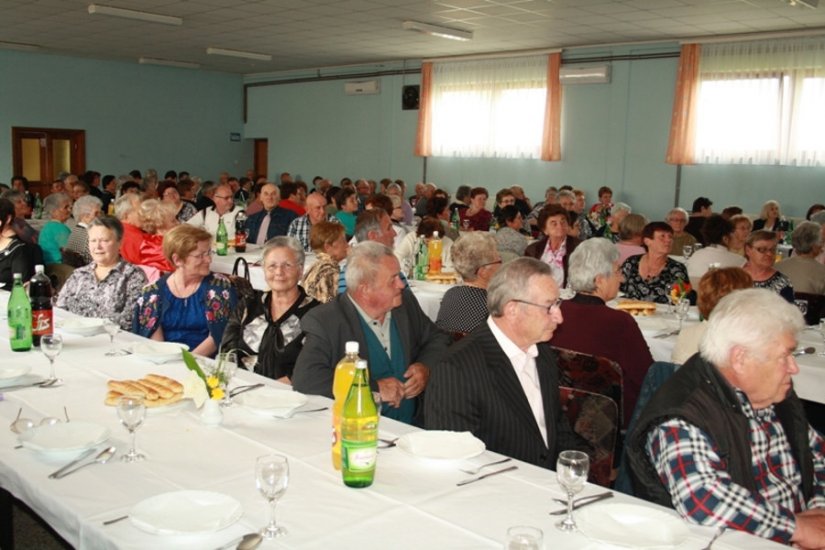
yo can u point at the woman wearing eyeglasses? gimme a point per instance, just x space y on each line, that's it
475 257
592 327
191 305
267 329
760 250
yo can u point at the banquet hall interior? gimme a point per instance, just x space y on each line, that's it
332 88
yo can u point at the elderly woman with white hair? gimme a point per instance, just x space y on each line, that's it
55 234
611 229
747 457
267 328
591 326
770 218
475 257
677 219
85 210
806 274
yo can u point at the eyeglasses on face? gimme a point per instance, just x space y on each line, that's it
765 249
203 255
547 309
223 197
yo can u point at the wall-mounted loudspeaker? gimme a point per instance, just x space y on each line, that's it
409 97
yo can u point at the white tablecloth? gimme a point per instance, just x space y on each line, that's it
414 503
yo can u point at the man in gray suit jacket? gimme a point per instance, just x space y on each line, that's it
501 381
399 341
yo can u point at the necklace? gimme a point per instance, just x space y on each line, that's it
649 271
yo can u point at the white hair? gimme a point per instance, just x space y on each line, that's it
591 258
621 207
363 263
751 319
85 205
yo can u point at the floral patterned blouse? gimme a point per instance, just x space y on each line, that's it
779 283
155 307
656 289
113 298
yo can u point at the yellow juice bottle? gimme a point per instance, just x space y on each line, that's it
434 249
344 373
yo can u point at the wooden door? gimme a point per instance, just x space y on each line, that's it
40 154
261 157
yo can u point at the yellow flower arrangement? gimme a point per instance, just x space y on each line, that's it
202 386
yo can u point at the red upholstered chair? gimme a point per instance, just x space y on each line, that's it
591 373
595 418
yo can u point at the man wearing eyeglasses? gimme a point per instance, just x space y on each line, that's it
209 217
501 381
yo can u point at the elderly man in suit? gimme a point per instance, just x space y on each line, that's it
501 381
725 440
398 340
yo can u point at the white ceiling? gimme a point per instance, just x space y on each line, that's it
322 33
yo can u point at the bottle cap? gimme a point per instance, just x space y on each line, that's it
361 364
351 347
435 234
38 268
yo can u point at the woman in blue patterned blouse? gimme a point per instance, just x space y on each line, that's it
191 305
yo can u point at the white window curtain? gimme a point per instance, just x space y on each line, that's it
762 103
489 108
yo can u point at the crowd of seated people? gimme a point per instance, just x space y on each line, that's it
148 267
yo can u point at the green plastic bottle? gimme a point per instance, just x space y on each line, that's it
359 432
222 238
20 317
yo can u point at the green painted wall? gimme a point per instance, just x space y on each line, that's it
135 116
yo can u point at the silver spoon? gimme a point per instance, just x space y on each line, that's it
101 458
810 350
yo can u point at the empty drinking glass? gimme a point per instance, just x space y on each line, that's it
51 345
272 479
571 472
524 537
131 410
687 250
112 328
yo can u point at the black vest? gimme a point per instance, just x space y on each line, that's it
700 395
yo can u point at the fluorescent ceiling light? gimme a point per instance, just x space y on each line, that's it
238 53
437 30
97 9
168 63
19 46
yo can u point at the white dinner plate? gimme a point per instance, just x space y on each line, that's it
81 326
185 513
442 445
271 402
157 352
13 372
64 438
631 525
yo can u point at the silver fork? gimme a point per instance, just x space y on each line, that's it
474 471
715 536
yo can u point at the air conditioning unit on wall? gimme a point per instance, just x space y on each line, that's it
364 87
588 74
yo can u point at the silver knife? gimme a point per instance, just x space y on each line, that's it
21 386
243 389
78 460
584 502
479 478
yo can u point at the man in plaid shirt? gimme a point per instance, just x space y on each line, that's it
725 440
316 212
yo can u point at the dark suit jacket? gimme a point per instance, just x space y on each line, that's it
278 223
476 389
328 327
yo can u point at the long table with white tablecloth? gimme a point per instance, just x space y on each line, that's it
414 502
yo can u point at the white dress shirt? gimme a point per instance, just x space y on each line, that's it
524 363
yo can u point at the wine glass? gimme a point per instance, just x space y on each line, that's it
272 479
228 362
682 308
571 472
51 345
112 328
131 410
